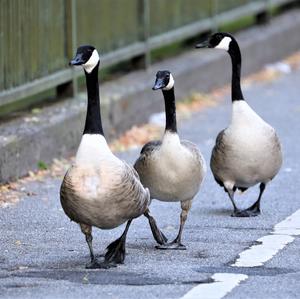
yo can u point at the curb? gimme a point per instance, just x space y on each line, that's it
56 131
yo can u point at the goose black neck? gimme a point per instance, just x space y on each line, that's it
236 59
170 109
93 123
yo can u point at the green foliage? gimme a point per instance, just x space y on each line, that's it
26 103
42 165
238 24
167 51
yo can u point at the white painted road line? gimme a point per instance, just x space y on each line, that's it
222 285
270 245
290 226
267 247
258 254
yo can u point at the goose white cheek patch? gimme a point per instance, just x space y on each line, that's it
224 44
170 84
92 62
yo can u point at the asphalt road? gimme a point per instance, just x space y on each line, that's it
43 254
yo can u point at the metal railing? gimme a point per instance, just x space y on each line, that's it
37 37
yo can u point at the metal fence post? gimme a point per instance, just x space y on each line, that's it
146 30
215 11
74 43
143 60
69 88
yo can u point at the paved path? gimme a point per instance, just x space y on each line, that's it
42 254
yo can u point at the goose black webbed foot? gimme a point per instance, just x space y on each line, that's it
175 245
250 212
171 246
242 213
245 213
95 264
116 251
158 235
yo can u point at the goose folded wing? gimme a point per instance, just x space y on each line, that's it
135 198
150 146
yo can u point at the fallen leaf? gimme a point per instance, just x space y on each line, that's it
85 279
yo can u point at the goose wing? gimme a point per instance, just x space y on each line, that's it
217 156
195 152
67 191
104 199
145 155
150 146
132 191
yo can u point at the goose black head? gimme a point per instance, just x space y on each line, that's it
164 80
220 40
87 56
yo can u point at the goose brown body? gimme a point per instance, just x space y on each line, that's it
248 152
104 196
172 170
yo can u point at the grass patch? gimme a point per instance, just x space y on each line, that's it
42 165
238 24
168 51
8 111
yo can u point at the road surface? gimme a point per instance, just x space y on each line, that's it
43 254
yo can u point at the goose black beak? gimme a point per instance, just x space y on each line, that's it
159 84
204 44
77 60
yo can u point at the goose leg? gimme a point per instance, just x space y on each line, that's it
87 230
254 210
159 237
236 211
116 250
176 244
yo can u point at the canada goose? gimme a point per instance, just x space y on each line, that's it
99 189
248 152
172 169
